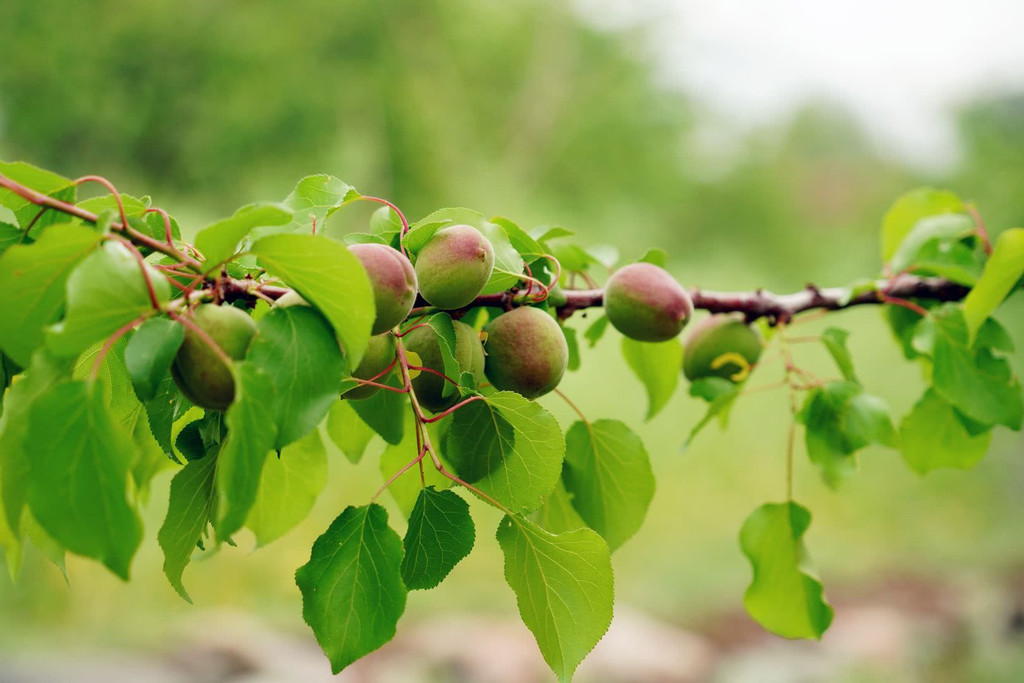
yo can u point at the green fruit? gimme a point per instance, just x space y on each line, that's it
379 355
644 302
393 280
453 266
526 352
198 370
425 343
721 346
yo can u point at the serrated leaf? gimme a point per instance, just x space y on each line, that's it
219 241
911 208
519 238
608 474
165 407
834 340
508 447
657 365
974 380
564 587
104 292
319 269
251 423
1002 271
348 432
78 480
440 534
289 486
314 198
296 348
192 501
133 206
33 279
352 590
508 264
784 597
557 514
932 437
149 354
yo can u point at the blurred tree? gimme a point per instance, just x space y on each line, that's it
992 170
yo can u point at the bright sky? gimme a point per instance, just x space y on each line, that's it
900 65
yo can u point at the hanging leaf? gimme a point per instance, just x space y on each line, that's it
834 340
440 534
785 597
608 475
932 437
1004 269
289 486
352 590
149 354
348 432
564 588
657 365
191 508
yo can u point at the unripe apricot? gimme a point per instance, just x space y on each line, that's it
526 352
469 353
198 370
394 283
644 302
721 346
453 266
379 355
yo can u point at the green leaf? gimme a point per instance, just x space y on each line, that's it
557 515
9 236
440 534
840 419
348 432
944 228
508 264
720 394
219 242
319 269
442 325
296 348
608 474
39 180
78 482
133 206
289 486
658 257
251 422
163 410
422 230
657 365
107 290
149 354
352 590
974 380
1002 271
596 330
192 502
909 209
784 597
32 278
385 411
834 340
954 261
932 437
508 447
573 343
564 587
519 238
314 198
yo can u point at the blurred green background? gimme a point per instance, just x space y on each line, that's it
528 110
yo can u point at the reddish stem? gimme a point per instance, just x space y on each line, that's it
113 190
111 340
168 233
434 372
446 413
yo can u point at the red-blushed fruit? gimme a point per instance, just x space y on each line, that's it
429 387
394 283
526 352
453 266
200 373
721 346
379 355
644 302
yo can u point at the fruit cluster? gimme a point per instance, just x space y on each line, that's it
522 350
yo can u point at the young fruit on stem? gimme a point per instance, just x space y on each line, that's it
394 283
379 355
526 352
453 266
198 370
721 346
645 303
429 386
